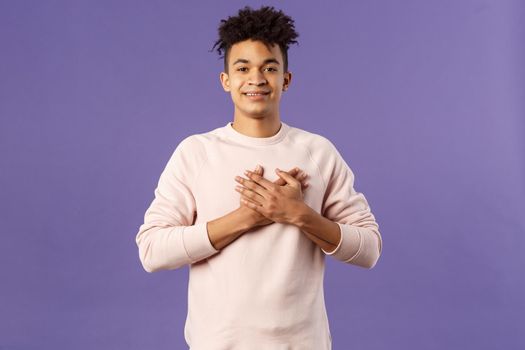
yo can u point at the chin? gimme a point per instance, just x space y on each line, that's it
253 112
258 114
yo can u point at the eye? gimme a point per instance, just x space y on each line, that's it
241 69
272 69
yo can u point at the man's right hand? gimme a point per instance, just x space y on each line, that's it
258 218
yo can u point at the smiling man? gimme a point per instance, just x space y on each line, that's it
256 241
256 81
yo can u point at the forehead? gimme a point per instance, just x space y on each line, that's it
254 51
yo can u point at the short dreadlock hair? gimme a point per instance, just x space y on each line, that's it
265 24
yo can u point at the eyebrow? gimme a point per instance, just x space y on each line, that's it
268 60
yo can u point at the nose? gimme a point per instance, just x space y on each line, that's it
257 78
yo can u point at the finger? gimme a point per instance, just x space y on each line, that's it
260 182
259 170
301 177
281 181
287 177
245 198
250 205
252 185
248 193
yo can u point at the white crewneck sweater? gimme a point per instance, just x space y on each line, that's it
265 289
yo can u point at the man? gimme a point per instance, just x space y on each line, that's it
256 256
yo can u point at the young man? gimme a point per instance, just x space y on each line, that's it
256 254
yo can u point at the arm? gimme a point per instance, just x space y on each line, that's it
345 229
169 238
359 241
228 228
171 247
328 235
320 230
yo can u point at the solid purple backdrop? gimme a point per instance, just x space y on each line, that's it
424 100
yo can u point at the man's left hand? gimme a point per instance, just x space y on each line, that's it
278 203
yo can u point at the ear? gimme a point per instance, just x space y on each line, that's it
287 80
225 81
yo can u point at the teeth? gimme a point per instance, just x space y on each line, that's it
254 94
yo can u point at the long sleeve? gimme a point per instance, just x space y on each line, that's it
169 239
360 242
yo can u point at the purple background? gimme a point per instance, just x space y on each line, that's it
424 99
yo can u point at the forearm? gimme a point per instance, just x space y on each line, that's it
320 230
352 244
171 247
226 229
167 247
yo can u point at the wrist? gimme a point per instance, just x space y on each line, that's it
247 218
299 214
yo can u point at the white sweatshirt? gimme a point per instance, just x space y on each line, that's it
265 289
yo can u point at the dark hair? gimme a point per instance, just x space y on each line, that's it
265 24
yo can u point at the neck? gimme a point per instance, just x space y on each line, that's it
257 127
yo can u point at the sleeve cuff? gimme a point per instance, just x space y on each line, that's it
197 242
349 244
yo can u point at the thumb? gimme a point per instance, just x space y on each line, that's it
287 177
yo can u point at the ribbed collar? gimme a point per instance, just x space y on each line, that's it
249 140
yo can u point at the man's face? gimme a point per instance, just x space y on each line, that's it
254 68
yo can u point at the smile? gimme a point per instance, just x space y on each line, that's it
256 93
